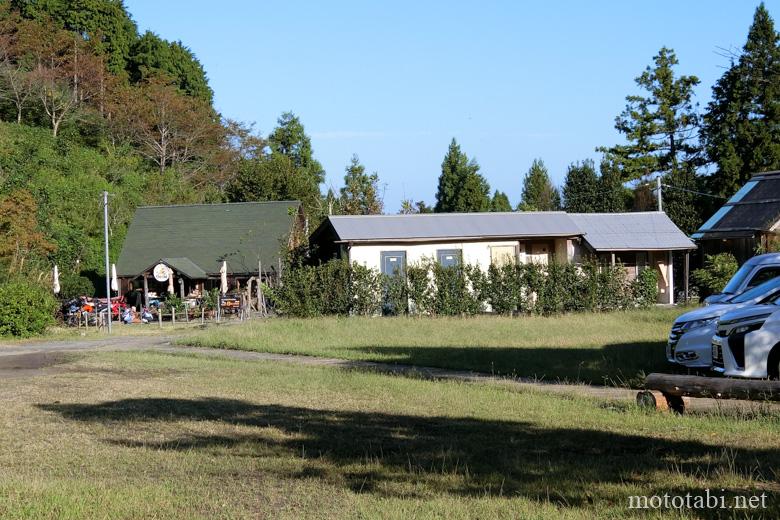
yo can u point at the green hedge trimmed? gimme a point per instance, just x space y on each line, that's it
428 289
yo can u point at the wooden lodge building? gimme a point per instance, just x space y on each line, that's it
192 241
747 223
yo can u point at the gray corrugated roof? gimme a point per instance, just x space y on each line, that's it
207 234
643 231
453 225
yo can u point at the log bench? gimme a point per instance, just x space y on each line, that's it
673 392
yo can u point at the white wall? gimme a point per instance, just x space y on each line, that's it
474 253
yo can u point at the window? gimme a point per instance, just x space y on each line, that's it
764 275
393 262
503 255
448 257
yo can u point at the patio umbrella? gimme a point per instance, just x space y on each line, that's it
56 280
223 278
170 280
114 281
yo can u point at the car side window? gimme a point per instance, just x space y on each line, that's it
764 275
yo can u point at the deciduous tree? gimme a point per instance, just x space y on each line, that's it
20 236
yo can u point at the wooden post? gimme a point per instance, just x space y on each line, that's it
202 315
687 274
613 259
173 316
146 291
159 316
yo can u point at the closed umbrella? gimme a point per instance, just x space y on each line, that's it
170 280
56 280
223 278
114 281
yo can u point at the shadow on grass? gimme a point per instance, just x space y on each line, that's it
400 455
616 364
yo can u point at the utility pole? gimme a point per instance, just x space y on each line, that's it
108 268
658 193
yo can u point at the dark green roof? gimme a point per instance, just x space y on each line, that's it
198 237
185 266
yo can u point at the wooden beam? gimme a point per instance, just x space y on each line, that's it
146 291
713 387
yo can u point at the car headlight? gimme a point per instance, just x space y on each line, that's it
697 324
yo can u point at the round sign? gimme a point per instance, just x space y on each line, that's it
160 272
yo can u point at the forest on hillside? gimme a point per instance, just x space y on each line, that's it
87 104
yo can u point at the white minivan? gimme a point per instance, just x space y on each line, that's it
754 272
747 342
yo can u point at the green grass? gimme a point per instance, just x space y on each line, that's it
140 435
594 348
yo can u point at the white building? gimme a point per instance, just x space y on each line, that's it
388 243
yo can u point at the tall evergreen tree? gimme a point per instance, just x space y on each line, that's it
612 193
153 56
539 194
741 127
360 194
461 187
500 202
105 22
660 127
661 130
581 188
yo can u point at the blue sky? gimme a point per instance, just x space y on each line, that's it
394 82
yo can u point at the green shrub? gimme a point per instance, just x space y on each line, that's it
366 295
174 302
74 285
26 309
429 289
716 273
419 288
210 299
645 288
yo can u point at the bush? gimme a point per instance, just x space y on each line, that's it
716 273
26 309
645 288
74 285
429 289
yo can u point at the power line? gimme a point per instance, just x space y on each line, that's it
695 192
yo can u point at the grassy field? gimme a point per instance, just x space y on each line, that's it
150 435
593 348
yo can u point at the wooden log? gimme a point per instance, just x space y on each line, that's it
657 400
652 399
714 387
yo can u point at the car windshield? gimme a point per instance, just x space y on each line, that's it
757 292
736 280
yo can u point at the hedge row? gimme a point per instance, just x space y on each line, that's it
427 288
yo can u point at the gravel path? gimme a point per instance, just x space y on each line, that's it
41 358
